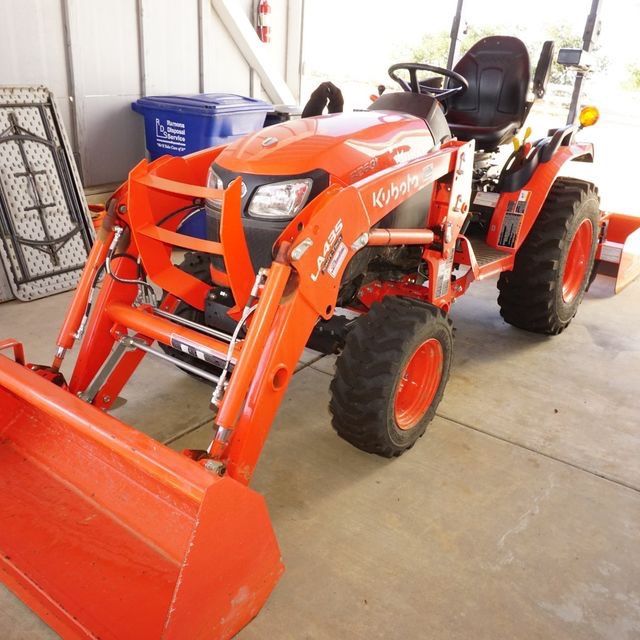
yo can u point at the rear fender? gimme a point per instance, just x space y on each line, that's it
517 211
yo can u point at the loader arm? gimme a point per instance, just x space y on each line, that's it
281 304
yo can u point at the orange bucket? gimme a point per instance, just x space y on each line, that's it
108 534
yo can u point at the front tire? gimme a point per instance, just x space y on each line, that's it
553 266
391 375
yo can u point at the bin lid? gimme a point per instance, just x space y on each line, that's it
206 104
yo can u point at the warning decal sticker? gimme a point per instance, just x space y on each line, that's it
444 277
336 261
513 219
196 351
486 199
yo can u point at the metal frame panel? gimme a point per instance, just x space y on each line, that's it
5 287
45 230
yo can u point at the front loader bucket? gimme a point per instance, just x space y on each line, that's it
619 254
107 534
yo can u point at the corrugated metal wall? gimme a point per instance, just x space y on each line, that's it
98 56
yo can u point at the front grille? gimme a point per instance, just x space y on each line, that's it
260 236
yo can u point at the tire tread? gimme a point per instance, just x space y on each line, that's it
366 373
527 293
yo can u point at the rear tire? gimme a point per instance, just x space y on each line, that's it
391 375
554 264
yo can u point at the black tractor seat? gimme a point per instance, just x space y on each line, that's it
494 106
487 138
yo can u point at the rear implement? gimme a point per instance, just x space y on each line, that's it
619 254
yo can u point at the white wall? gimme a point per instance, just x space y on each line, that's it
98 56
32 49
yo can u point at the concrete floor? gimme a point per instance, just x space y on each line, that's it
516 516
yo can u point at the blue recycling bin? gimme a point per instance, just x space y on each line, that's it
177 125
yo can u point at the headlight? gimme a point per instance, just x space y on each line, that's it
214 181
280 200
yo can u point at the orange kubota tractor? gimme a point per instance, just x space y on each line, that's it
351 233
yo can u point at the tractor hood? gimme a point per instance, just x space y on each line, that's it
347 146
341 148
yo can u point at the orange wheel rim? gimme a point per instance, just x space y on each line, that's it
575 268
419 383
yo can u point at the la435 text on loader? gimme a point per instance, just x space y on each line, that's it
351 233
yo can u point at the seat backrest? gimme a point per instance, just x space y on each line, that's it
497 70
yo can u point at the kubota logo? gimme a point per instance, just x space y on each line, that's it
331 244
384 196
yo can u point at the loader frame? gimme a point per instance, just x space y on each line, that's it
299 288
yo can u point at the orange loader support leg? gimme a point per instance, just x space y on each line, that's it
98 340
295 320
252 353
71 324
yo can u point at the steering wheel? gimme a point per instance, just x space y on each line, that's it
434 92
